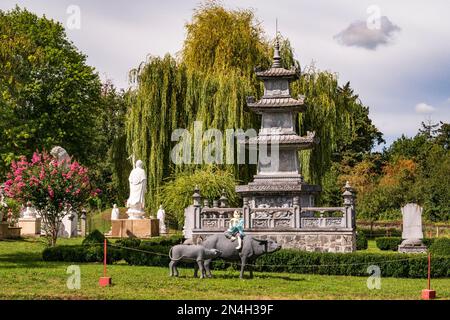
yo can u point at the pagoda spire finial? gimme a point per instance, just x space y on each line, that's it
276 55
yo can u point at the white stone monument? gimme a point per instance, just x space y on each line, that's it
412 229
161 216
69 225
138 188
115 212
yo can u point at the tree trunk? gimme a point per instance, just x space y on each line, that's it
53 233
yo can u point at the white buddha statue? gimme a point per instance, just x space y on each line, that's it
161 216
115 212
138 188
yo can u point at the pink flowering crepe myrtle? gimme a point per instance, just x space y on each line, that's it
52 187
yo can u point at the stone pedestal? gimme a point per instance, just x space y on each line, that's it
135 228
30 226
135 214
14 232
412 246
312 241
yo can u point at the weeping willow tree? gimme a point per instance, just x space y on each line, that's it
209 82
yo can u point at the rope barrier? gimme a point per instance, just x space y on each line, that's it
277 265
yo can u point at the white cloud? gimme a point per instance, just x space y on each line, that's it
359 35
424 108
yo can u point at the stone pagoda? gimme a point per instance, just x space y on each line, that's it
278 204
278 183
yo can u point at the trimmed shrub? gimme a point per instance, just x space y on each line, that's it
388 243
64 253
352 264
165 241
428 241
392 243
128 242
361 240
92 250
441 247
80 253
295 261
151 255
94 238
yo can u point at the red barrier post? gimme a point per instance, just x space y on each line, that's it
104 281
428 294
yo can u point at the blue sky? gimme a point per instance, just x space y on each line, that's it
400 68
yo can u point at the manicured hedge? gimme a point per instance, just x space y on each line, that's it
441 246
80 253
154 252
353 264
361 240
428 241
92 250
392 243
388 243
93 238
295 261
285 260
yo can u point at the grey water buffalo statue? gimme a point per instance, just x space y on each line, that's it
184 252
252 248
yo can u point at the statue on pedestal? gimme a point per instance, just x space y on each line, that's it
138 187
29 212
115 212
161 215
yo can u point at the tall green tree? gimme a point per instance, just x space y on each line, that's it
48 94
111 169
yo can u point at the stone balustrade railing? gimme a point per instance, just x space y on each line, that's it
275 218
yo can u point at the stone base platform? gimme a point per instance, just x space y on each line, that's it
412 249
131 228
327 240
7 232
30 226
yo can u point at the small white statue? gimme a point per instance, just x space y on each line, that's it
3 206
115 212
138 188
161 216
61 155
29 212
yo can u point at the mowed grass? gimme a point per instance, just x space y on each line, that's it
23 275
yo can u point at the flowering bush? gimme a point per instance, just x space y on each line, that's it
53 187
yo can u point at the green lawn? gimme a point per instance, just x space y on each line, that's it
23 275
